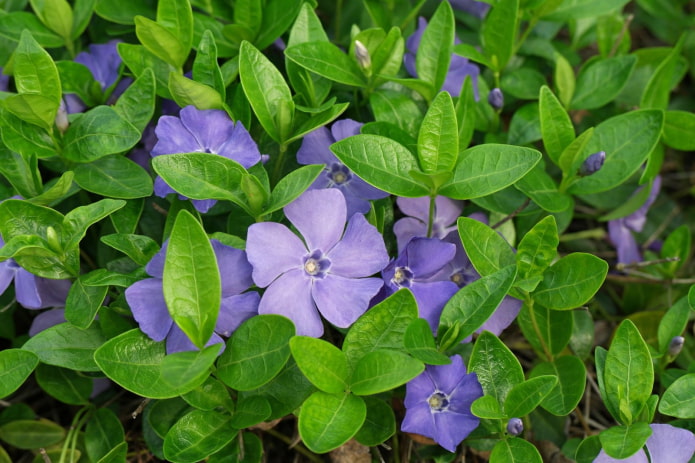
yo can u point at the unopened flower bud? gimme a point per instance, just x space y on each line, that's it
62 117
515 426
675 346
362 56
496 98
593 163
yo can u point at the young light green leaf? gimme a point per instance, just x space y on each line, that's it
206 70
678 399
83 302
189 92
191 281
177 17
35 72
77 221
436 45
497 367
15 367
56 15
327 421
438 137
485 169
600 81
466 113
535 252
382 370
327 60
486 248
140 61
623 441
487 407
571 281
564 79
676 246
572 157
556 126
291 186
160 41
499 33
321 362
673 323
396 108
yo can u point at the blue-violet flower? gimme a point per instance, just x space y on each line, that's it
438 403
592 164
326 272
417 211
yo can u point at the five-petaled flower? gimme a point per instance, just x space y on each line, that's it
417 212
438 403
327 272
202 131
667 444
146 299
315 150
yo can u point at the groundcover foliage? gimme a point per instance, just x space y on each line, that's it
287 230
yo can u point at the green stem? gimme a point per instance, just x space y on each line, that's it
430 218
279 164
71 439
534 322
594 233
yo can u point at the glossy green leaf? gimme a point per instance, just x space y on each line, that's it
438 137
535 252
56 15
678 129
487 407
198 434
629 374
15 367
420 343
206 70
14 23
327 60
466 113
381 327
31 434
676 245
77 221
571 281
28 139
177 18
36 73
83 302
250 412
379 425
524 397
67 346
327 421
140 248
525 126
125 11
381 162
160 41
256 352
678 399
485 169
267 92
187 92
291 186
76 78
499 33
572 157
278 16
103 433
542 189
624 441
486 248
515 450
548 331
524 83
209 395
321 362
382 370
194 366
397 108
576 9
436 45
571 375
556 126
141 61
600 81
673 323
304 126
114 176
497 367
564 78
656 93
66 385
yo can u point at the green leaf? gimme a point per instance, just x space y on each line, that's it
176 16
250 412
676 245
573 155
136 104
125 10
321 362
535 252
600 81
31 141
556 126
291 186
524 397
114 176
206 70
571 281
35 73
381 327
140 248
487 407
379 425
141 61
56 15
486 248
436 45
13 24
249 13
161 42
497 368
571 375
67 346
97 133
658 89
188 92
673 323
317 120
564 79
515 451
32 108
103 433
66 385
576 9
541 188
82 14
678 129
623 441
203 176
31 434
485 169
83 302
499 33
77 221
15 367
209 395
548 331
466 113
327 60
524 83
193 365
191 281
678 399
78 79
327 421
197 435
134 361
256 352
438 137
525 126
382 370
278 16
381 162
473 304
628 373
472 53
420 343
267 92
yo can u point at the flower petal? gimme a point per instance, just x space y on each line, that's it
146 301
234 310
155 267
315 148
272 249
418 390
46 319
290 295
162 188
639 457
447 210
345 128
419 420
415 207
320 216
447 377
202 205
235 270
210 127
33 292
502 317
240 147
361 252
8 269
341 301
406 229
452 428
670 444
173 137
625 244
431 298
427 255
177 341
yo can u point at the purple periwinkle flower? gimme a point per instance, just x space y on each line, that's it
438 403
515 426
593 163
4 81
675 346
202 131
478 9
417 211
31 291
621 230
415 269
103 61
459 67
146 299
326 272
667 444
315 150
496 98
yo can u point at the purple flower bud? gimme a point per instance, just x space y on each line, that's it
362 56
676 345
515 426
496 98
593 163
